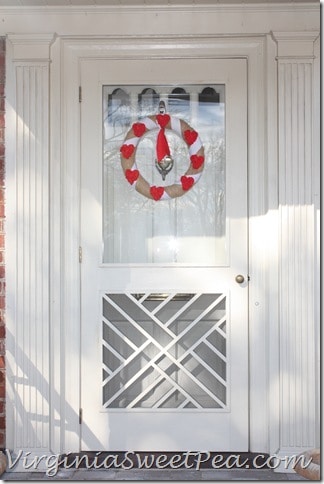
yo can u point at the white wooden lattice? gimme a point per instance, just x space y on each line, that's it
165 351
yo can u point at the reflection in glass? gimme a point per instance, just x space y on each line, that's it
148 101
179 103
207 101
118 108
190 229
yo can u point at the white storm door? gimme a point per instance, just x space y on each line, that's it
164 322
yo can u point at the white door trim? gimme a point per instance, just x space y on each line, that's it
215 47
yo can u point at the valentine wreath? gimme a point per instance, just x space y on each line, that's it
164 161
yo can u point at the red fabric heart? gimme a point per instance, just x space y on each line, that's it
187 182
197 161
190 136
163 119
131 175
139 129
127 151
156 192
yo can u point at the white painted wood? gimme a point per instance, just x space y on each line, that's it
297 271
11 241
263 233
195 32
271 261
316 143
143 426
31 48
29 317
85 3
258 236
164 350
74 49
298 45
196 20
69 276
59 414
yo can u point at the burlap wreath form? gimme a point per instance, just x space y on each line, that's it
132 174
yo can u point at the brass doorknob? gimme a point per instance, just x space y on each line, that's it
239 278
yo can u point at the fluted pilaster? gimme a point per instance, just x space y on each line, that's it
297 249
30 345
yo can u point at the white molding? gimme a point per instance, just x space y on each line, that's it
206 7
273 245
28 208
31 48
295 45
234 19
216 46
258 243
68 278
11 243
58 415
317 217
297 270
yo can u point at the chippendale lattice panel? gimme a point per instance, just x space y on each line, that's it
164 351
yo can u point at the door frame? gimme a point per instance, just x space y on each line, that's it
262 197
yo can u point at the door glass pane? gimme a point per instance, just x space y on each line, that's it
190 229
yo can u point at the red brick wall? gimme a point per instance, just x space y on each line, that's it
2 241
